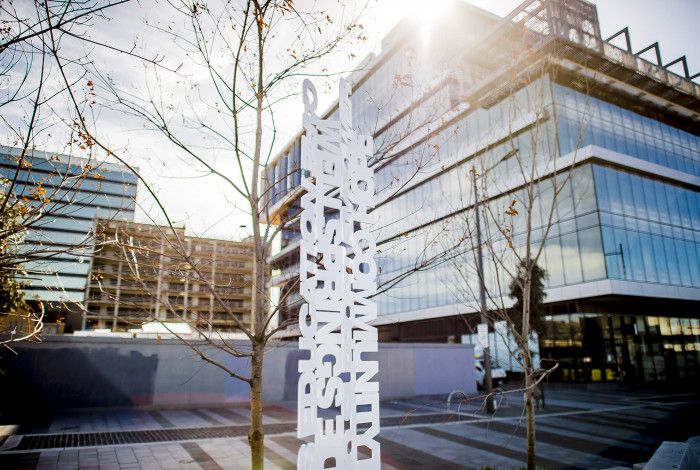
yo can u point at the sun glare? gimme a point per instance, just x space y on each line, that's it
426 13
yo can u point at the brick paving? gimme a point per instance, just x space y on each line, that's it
578 429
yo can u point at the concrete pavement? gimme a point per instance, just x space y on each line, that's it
578 429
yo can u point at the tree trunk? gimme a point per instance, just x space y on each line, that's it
530 412
256 435
529 371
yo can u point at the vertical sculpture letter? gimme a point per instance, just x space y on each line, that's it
337 275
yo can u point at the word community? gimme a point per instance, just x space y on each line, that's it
338 401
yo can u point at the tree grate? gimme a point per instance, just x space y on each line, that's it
95 439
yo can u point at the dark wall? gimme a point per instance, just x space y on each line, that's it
72 372
74 377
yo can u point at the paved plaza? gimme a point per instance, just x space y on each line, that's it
578 428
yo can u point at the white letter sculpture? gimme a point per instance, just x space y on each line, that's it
338 400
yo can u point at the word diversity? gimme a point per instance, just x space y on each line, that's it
337 277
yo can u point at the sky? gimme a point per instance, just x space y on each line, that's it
203 203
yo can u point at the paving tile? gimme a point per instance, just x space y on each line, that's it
591 427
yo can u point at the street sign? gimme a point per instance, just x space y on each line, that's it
483 335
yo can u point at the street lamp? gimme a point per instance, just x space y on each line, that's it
488 384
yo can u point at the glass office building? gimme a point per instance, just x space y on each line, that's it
58 243
613 144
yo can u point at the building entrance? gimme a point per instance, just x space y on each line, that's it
596 347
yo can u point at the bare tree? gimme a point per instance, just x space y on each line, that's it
252 54
45 93
20 322
517 195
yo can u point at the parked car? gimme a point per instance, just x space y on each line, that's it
498 374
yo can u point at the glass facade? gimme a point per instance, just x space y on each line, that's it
427 217
651 229
600 221
407 90
606 223
584 120
572 251
649 233
436 138
58 243
618 346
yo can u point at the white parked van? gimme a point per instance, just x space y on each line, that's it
498 374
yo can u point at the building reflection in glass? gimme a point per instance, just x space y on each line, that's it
626 348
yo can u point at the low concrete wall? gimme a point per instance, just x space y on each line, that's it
676 455
692 456
71 372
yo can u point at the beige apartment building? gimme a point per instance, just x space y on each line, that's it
141 272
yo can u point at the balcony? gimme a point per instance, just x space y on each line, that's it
284 276
284 252
279 207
